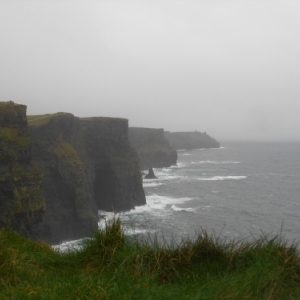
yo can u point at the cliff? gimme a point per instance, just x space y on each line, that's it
22 203
153 149
59 152
191 140
117 177
87 165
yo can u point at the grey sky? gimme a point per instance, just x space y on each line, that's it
230 68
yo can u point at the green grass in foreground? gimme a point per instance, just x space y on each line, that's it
111 266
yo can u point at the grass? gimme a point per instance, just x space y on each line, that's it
113 266
38 120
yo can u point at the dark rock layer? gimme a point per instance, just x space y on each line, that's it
117 179
22 202
150 174
153 149
191 140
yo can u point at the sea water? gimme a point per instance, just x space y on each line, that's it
241 190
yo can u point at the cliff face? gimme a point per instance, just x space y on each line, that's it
191 140
59 152
22 202
87 165
118 182
153 149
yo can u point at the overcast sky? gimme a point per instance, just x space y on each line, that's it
230 68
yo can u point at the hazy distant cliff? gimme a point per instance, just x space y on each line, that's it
87 164
22 202
191 140
153 149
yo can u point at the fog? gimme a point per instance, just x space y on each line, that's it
229 68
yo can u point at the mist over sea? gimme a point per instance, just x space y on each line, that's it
241 190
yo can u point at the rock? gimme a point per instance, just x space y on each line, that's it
22 202
150 174
118 182
87 164
59 152
191 140
152 147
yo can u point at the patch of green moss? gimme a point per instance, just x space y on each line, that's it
66 152
14 135
22 194
33 117
28 199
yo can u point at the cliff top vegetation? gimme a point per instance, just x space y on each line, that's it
38 120
112 266
104 119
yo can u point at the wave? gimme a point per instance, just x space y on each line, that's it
156 202
70 245
215 162
136 231
152 184
206 207
176 208
165 175
222 178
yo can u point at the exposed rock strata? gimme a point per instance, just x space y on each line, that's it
87 165
191 140
153 149
117 179
22 202
60 153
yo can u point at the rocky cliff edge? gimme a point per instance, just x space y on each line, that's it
87 165
22 202
191 140
153 149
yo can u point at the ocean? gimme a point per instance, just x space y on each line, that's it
242 190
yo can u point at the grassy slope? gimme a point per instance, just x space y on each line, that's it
38 120
113 267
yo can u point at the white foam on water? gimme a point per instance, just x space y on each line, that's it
215 178
188 209
156 203
206 207
163 175
70 245
156 200
215 162
134 231
105 217
152 184
222 147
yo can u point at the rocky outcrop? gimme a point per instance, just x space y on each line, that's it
150 174
153 149
191 140
22 203
87 164
117 179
